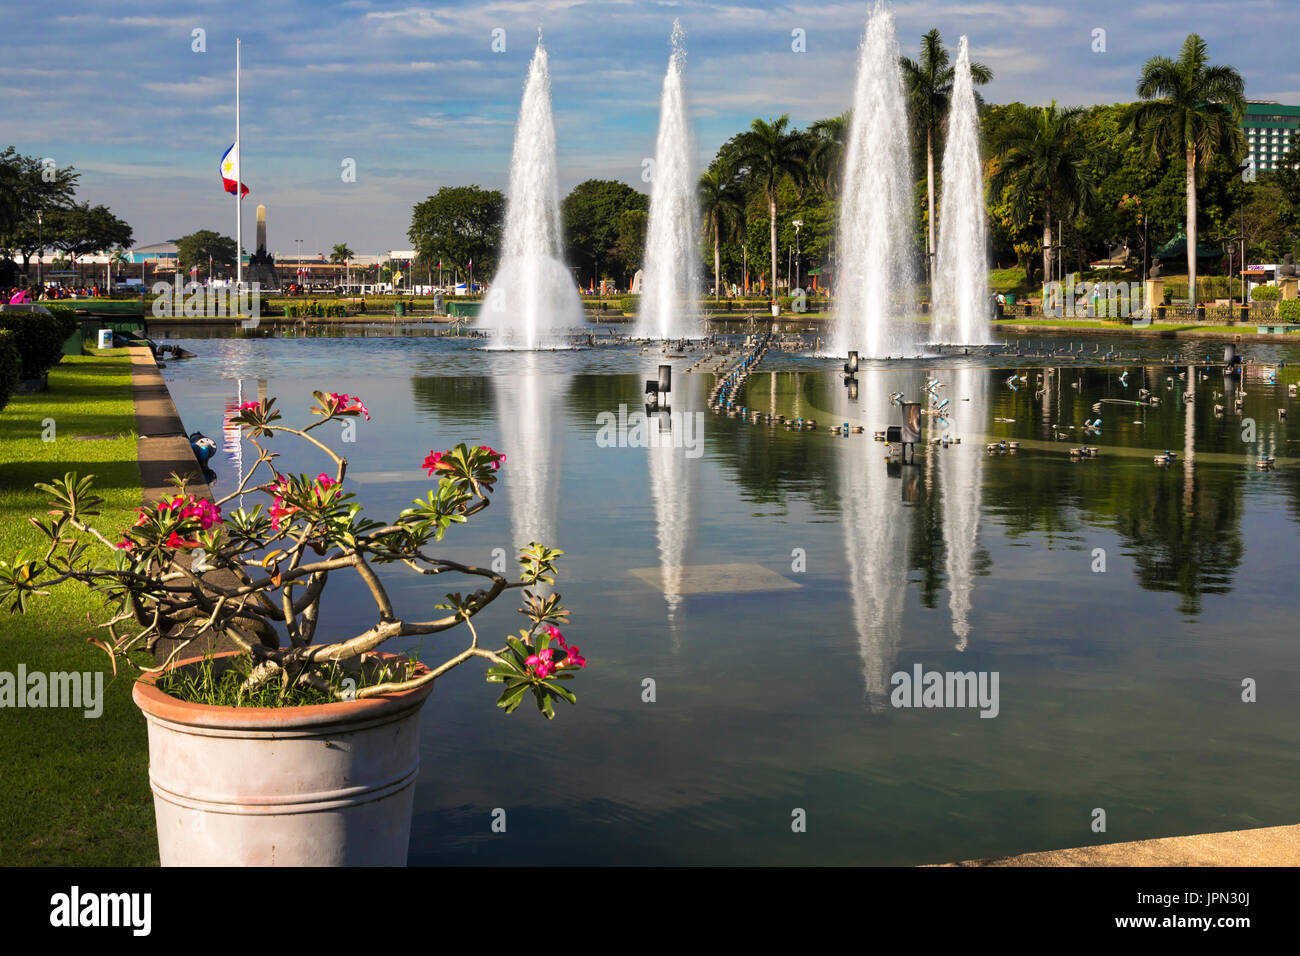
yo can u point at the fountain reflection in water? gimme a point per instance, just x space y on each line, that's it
672 486
672 271
529 408
533 300
961 480
877 529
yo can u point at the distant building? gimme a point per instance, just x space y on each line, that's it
1272 130
159 253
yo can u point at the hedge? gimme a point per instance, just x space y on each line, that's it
628 304
1289 309
318 309
1263 292
39 338
10 366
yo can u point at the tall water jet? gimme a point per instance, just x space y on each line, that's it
961 279
671 278
533 299
876 275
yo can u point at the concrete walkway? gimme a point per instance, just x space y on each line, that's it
1267 846
163 445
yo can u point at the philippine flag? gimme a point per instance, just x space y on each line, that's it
230 171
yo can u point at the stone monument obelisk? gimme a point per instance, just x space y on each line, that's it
261 265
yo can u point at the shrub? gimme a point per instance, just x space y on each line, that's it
1263 293
1289 309
39 339
10 366
628 304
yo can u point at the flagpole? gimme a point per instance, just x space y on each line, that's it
239 184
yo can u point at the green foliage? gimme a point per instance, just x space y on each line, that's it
297 310
218 685
10 366
1264 293
81 229
459 225
1289 309
38 338
593 220
197 247
628 304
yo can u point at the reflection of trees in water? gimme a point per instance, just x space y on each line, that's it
466 399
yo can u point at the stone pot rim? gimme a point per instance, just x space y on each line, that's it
161 706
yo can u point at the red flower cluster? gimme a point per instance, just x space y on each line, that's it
542 664
279 510
347 403
434 462
249 405
187 508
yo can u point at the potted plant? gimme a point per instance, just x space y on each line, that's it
294 744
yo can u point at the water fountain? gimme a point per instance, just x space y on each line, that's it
671 279
876 274
533 300
961 281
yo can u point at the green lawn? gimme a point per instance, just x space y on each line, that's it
76 790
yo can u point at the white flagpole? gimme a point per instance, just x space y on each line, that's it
239 185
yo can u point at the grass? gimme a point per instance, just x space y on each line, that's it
208 683
76 790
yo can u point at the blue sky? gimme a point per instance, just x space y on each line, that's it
417 97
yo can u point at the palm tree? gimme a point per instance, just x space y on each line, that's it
1193 108
118 259
342 254
827 138
769 151
1045 161
722 205
929 91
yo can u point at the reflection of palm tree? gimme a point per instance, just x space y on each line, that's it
1194 109
929 88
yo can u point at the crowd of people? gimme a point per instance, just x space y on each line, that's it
17 295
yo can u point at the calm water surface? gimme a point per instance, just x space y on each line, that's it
1118 689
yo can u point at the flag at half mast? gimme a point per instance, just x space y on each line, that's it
230 171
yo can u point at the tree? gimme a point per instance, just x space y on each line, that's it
31 188
341 253
82 229
630 245
929 91
769 151
1043 163
458 225
1194 109
592 213
722 206
827 139
197 247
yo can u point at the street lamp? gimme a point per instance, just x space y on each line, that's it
299 241
798 263
40 228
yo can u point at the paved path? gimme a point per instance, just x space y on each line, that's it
1267 846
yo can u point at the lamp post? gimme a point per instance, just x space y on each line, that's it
299 242
40 229
1247 175
798 262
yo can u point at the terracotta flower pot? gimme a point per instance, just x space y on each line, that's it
326 785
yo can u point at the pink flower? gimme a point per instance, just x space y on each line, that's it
554 631
247 406
176 541
348 403
435 463
126 544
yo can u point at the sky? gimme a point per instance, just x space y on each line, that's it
417 97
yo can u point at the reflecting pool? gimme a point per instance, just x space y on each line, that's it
770 582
